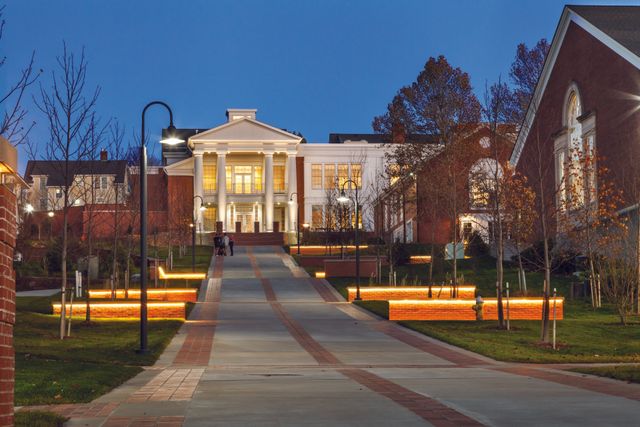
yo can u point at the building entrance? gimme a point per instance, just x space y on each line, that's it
245 215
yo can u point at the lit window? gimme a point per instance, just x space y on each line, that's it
316 177
227 170
210 177
356 174
329 176
104 182
343 174
316 216
257 178
209 218
278 178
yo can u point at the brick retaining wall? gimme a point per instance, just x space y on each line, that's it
116 310
173 294
519 309
378 293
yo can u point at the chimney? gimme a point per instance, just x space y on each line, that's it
104 156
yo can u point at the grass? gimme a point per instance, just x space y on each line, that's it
38 419
96 358
629 373
585 336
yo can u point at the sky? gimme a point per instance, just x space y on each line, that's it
316 67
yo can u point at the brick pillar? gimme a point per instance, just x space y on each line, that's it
7 302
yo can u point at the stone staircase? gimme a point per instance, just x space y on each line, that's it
258 239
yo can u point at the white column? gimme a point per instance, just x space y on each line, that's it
198 181
222 187
293 188
268 194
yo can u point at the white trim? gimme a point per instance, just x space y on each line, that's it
567 17
204 136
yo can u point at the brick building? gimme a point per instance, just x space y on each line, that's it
588 95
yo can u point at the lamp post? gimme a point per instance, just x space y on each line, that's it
193 231
344 199
297 220
171 139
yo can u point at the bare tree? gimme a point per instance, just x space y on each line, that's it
11 101
69 108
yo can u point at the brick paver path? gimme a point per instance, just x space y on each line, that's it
268 345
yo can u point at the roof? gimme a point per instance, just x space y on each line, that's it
54 170
621 23
377 138
617 27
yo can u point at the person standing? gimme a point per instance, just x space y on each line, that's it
225 244
231 244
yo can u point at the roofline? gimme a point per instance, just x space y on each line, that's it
257 122
568 16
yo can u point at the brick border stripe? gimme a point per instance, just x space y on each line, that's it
609 387
425 407
321 288
197 346
395 331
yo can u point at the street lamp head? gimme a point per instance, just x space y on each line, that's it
305 225
203 208
28 208
172 136
343 197
50 214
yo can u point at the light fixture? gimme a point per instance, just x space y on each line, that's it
50 214
191 225
343 197
29 208
305 225
172 137
203 208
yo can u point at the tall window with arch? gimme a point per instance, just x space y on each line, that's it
575 153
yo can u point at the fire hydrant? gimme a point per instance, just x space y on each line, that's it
478 308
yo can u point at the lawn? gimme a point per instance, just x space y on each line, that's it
38 419
584 336
629 373
96 358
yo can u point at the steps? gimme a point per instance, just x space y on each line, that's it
258 239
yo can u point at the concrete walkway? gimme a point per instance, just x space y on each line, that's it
268 346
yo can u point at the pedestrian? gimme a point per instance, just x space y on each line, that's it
225 244
231 244
216 245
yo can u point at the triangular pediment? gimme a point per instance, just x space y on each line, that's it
243 130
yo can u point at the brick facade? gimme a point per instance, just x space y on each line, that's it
519 309
174 294
8 222
606 82
376 293
107 310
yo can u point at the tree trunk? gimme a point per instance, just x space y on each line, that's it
63 307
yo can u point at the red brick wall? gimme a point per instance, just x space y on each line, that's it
347 268
180 201
173 294
519 309
8 222
373 293
603 79
105 310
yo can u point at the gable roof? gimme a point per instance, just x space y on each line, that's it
54 170
248 129
617 27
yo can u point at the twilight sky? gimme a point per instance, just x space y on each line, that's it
312 66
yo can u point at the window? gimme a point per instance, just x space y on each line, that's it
316 216
316 177
574 130
257 178
209 218
227 172
210 178
278 178
467 229
58 193
104 182
343 174
482 182
329 176
356 174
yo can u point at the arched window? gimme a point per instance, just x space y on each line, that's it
482 182
573 168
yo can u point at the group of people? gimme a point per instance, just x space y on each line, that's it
222 245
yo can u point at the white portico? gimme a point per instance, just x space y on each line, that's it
244 171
